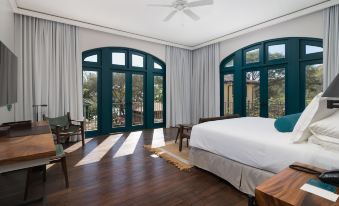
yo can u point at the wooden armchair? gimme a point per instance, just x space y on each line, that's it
209 119
63 127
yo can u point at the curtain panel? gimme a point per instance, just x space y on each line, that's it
178 86
331 44
49 68
205 83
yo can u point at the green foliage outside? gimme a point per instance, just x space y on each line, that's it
90 99
118 99
158 88
314 81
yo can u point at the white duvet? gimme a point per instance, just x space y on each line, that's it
254 141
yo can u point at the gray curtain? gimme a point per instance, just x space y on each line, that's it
205 83
331 44
178 85
49 68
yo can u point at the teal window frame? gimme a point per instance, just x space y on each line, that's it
250 48
105 67
293 62
312 56
272 43
94 67
90 53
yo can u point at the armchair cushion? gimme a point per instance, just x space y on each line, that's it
58 121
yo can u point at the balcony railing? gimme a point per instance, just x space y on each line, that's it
275 109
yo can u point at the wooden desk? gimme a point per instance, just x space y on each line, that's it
26 151
283 189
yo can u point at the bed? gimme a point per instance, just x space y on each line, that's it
246 151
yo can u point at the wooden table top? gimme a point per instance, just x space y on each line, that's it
284 189
24 148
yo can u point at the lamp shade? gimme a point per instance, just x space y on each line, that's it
333 89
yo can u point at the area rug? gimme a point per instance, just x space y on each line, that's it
170 152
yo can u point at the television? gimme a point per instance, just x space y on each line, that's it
8 76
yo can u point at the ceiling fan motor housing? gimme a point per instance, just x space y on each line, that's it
180 5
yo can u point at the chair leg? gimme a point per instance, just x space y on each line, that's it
178 133
187 142
83 137
28 180
44 171
64 169
180 139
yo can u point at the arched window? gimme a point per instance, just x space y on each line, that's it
123 90
271 78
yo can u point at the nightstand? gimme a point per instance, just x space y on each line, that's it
283 189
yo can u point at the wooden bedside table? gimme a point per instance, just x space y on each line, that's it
283 189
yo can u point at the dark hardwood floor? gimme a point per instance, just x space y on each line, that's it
119 175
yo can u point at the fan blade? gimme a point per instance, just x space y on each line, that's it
170 15
159 5
191 14
200 3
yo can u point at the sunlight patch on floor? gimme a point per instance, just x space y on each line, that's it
154 156
128 147
76 146
49 166
158 139
100 151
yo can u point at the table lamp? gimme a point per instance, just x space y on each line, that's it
332 92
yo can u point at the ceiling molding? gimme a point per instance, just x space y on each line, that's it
271 22
243 31
23 11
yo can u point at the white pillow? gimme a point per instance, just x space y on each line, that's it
327 129
305 120
315 111
327 144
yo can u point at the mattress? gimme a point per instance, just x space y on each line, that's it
254 141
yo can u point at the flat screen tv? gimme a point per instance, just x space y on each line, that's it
8 76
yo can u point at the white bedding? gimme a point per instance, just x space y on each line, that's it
255 142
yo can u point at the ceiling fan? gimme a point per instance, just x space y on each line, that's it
184 6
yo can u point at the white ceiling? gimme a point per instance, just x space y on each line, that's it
224 17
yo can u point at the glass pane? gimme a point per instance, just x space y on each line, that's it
137 60
276 92
230 63
118 99
276 52
137 99
158 99
314 81
313 49
93 58
157 66
90 98
252 56
228 93
118 58
253 94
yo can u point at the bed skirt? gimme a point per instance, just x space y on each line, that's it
243 177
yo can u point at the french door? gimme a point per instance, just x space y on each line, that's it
265 92
128 100
123 90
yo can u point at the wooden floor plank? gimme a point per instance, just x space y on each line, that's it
136 179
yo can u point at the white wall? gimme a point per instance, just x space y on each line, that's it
90 39
7 37
306 26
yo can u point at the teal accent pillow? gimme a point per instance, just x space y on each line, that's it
286 123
